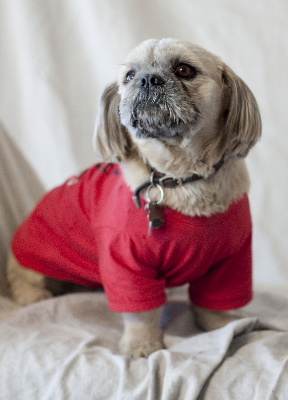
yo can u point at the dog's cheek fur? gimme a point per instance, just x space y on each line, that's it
210 101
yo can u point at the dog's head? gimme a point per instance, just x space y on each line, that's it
178 94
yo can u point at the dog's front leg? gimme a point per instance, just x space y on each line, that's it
142 333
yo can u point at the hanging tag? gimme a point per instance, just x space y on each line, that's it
155 214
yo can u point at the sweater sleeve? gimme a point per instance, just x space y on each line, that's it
130 277
227 284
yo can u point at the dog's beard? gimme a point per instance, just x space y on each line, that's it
155 114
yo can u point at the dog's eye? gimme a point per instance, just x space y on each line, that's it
130 76
185 71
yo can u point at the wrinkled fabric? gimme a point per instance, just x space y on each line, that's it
66 348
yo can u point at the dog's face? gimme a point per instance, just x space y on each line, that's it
171 89
181 98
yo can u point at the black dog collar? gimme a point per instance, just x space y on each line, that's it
157 178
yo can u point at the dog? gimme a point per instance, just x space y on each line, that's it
168 207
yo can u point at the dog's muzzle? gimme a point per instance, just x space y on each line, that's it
152 114
158 108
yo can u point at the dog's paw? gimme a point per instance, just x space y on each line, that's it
32 295
139 348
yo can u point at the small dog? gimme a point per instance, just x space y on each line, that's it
175 129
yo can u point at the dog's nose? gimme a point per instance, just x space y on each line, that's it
151 79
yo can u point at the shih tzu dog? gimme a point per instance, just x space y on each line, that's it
168 208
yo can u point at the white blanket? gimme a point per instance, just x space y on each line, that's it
66 348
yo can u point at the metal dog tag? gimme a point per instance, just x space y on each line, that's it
155 215
154 210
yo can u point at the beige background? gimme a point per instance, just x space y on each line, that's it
57 56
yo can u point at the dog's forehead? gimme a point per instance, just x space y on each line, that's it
164 53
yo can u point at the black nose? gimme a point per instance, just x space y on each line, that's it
151 79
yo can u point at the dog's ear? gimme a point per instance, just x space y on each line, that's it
111 137
243 122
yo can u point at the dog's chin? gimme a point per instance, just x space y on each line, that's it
160 128
150 119
161 132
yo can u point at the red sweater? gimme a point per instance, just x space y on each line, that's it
89 231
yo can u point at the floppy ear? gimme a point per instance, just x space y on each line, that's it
111 136
243 124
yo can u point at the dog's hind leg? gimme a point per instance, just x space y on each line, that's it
26 285
209 320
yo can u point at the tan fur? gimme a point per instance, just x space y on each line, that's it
230 124
142 333
26 286
185 127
